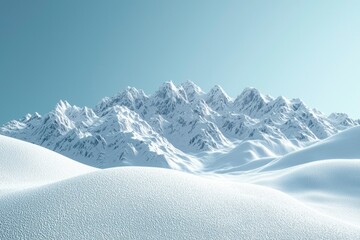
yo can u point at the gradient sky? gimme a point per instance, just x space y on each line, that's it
84 50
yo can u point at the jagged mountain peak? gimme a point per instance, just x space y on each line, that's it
218 91
62 106
251 102
193 91
168 86
190 85
298 104
169 90
281 103
65 109
338 116
131 97
167 98
218 99
250 94
342 120
133 93
29 117
282 100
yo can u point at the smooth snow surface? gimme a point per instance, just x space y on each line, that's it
24 164
331 186
345 145
153 203
325 175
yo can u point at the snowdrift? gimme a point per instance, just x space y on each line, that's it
331 186
24 164
324 176
345 145
153 203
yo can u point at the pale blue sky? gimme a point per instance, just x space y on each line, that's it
84 50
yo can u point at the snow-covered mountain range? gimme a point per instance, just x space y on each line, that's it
178 127
260 167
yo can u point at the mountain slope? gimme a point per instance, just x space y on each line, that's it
173 126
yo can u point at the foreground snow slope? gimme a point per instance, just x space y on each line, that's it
24 164
153 203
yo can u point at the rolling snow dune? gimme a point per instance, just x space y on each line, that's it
332 186
345 145
24 164
153 203
324 175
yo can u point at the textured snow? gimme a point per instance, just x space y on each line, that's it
153 203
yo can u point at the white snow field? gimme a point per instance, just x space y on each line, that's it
155 203
24 164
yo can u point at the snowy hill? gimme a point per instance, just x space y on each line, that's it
154 203
23 164
173 126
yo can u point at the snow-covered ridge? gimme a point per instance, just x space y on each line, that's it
174 125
